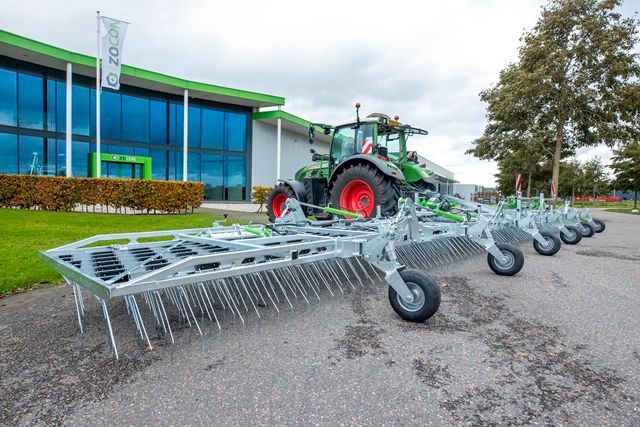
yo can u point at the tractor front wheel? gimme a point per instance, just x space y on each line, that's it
360 188
277 199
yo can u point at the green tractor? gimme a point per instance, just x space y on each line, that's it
366 171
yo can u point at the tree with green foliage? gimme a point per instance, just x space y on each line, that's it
626 167
567 90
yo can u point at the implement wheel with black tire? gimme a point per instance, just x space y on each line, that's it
600 226
360 188
277 199
586 229
551 247
573 237
426 297
512 264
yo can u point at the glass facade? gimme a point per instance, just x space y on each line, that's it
133 121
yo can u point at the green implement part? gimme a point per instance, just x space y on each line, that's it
335 211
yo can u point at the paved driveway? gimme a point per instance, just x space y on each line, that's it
557 344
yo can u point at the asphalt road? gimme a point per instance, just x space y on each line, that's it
557 344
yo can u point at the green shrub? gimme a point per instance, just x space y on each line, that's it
259 195
55 193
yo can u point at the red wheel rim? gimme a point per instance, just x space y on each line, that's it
357 196
277 204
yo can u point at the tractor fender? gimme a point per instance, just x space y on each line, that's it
298 189
386 167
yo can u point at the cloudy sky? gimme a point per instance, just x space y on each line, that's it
424 60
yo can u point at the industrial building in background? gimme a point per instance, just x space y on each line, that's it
233 139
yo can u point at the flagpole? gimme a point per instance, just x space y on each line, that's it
98 89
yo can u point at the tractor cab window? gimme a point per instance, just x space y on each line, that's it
390 140
349 141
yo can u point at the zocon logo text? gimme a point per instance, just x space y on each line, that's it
123 158
113 37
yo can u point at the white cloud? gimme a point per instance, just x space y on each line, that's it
424 60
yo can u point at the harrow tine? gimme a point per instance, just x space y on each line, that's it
281 288
326 283
164 315
184 294
298 271
209 301
264 286
225 288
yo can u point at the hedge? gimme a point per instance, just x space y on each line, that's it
55 193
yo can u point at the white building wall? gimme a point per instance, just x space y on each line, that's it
466 190
295 153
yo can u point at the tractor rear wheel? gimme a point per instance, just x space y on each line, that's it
277 199
360 188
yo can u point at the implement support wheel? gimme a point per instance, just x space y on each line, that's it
426 297
512 264
551 247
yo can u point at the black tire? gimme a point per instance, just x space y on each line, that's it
586 229
386 191
512 266
426 294
278 191
600 225
552 247
574 236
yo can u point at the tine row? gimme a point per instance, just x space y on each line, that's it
241 296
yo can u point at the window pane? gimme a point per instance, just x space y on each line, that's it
176 122
158 131
80 159
51 105
193 167
194 127
212 177
49 158
159 164
212 129
175 165
8 152
235 174
61 157
31 154
61 107
120 149
235 131
81 111
30 101
135 119
109 115
138 151
8 99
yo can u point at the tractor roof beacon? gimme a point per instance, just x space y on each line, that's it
366 171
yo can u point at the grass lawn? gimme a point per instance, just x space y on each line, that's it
23 233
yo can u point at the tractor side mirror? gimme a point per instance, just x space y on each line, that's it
312 134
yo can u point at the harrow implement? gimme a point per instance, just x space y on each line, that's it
245 270
507 226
